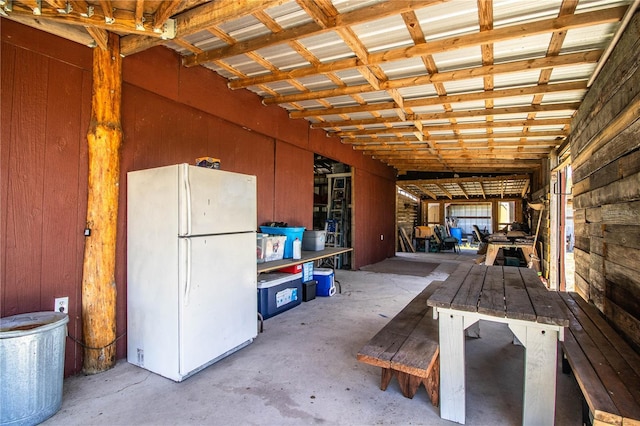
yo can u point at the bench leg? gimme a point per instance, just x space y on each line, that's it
409 384
432 382
387 374
566 367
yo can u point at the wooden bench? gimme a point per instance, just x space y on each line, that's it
407 348
606 367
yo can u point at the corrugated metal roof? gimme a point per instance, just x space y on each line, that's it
481 77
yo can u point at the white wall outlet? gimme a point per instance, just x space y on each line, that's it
381 237
61 304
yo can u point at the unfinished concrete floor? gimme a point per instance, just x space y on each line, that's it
302 370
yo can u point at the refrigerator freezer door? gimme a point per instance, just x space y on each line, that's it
218 298
215 201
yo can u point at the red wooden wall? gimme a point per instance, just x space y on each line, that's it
170 114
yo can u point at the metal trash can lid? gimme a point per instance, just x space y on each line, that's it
31 323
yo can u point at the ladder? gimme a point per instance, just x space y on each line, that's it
336 213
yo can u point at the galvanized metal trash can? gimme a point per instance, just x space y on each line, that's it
31 366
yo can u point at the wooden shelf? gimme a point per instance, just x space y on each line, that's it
307 256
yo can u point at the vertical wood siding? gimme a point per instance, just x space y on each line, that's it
170 115
606 170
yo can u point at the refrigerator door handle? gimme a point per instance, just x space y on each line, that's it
187 184
186 222
187 270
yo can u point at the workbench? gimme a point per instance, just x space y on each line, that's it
328 257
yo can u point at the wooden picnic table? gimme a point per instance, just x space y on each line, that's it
511 295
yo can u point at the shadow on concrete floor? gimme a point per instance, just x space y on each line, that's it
302 370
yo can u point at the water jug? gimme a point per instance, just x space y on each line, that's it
297 249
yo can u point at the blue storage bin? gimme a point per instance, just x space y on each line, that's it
456 233
291 233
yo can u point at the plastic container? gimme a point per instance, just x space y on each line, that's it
290 233
313 240
274 247
309 290
307 272
297 249
456 233
326 285
293 269
261 247
278 292
32 366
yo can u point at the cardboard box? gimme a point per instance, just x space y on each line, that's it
422 232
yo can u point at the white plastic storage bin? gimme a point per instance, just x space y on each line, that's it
313 240
274 247
278 292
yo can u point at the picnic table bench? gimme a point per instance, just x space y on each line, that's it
605 366
407 348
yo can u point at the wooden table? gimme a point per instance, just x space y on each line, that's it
510 295
525 245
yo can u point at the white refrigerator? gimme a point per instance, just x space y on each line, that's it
191 267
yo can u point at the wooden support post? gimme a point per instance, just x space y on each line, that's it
98 275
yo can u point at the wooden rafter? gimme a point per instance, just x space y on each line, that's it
118 20
448 44
407 100
467 97
570 59
355 17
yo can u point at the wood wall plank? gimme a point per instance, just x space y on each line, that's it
615 87
61 245
7 65
25 185
623 213
167 118
627 236
605 143
293 196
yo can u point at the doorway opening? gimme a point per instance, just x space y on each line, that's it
332 204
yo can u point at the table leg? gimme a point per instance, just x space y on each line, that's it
540 359
492 252
452 375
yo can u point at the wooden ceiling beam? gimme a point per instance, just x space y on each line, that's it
591 56
409 155
100 37
461 98
358 16
165 10
197 19
139 14
470 136
107 10
419 127
77 34
570 107
118 21
453 43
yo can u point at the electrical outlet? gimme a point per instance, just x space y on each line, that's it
381 237
61 305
